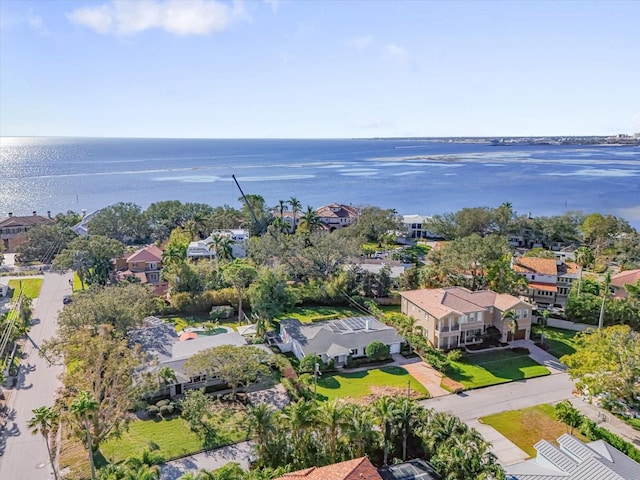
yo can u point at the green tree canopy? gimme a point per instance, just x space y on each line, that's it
607 362
236 366
122 221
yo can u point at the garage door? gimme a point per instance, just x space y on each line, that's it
520 335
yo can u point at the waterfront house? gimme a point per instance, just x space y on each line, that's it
549 280
335 216
13 228
239 242
416 227
572 459
457 317
336 340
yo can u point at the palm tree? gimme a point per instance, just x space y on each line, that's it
45 422
295 208
311 219
261 426
360 430
333 416
384 409
510 317
143 472
605 294
543 323
406 416
300 417
83 407
221 246
584 257
174 254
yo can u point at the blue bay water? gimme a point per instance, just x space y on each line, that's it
412 176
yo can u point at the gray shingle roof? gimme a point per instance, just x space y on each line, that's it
575 460
339 335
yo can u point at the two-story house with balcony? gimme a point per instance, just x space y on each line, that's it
238 238
549 280
144 264
337 216
416 226
456 317
13 228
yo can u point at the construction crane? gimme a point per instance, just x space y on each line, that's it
258 224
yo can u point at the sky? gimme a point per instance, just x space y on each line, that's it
318 69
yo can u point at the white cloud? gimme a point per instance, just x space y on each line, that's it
398 55
635 123
179 17
360 43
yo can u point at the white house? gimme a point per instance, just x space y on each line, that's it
336 339
239 243
415 226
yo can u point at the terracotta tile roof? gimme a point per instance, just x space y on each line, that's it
572 268
26 221
356 469
146 254
336 210
441 301
545 287
543 266
625 278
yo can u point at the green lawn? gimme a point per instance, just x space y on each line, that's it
173 436
182 322
357 385
561 342
310 314
492 368
528 426
30 287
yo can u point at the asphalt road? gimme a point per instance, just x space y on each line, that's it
474 404
23 455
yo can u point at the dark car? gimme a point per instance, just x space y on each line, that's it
67 299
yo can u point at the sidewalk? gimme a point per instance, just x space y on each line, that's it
541 356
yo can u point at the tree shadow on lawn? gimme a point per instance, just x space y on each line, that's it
394 370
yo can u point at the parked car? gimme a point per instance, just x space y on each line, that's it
67 299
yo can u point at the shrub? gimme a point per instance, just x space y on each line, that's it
454 355
593 432
166 410
219 312
520 350
153 411
162 403
308 364
378 351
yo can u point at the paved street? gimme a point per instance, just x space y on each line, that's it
24 456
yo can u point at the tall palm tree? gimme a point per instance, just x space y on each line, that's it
221 246
45 422
385 411
584 257
83 407
296 206
406 415
510 318
300 417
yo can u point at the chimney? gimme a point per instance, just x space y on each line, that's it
35 213
10 214
49 213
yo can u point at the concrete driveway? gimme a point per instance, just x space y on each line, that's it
211 460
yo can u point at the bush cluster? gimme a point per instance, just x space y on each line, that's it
162 408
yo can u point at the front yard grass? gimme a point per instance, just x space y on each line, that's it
182 322
492 368
311 314
528 426
174 437
561 342
357 385
30 287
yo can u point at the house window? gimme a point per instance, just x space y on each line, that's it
533 277
525 313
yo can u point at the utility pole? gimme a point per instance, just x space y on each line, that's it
408 388
316 372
